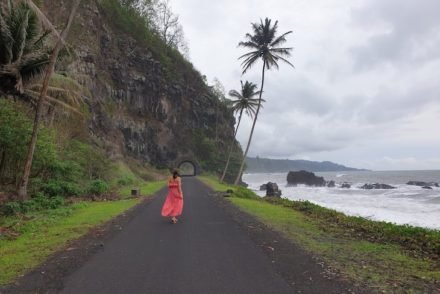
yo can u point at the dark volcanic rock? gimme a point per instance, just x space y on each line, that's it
272 190
304 177
377 186
423 184
427 187
263 187
345 185
331 184
140 106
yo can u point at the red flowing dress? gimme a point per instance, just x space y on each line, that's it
174 202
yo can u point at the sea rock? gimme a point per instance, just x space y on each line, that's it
331 184
263 187
345 185
423 184
377 186
304 177
272 190
427 187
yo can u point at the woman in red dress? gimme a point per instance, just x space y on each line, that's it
174 202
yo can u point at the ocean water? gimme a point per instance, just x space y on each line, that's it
407 204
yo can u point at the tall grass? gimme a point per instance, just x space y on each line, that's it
418 241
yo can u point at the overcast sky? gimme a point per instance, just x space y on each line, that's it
365 91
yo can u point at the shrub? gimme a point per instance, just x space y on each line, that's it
126 180
98 187
15 133
11 208
40 202
60 188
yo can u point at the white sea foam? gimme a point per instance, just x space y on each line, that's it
404 205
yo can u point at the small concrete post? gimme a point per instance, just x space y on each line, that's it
135 192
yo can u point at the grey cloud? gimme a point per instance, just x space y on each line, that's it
388 106
324 109
299 93
409 34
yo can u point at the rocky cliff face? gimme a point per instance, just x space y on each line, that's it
139 106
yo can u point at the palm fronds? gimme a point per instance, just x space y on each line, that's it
7 41
63 91
22 51
264 44
47 24
244 100
52 100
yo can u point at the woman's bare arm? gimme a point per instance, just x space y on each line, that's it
180 186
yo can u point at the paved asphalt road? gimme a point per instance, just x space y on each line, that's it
206 252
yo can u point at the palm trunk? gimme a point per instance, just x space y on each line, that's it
216 123
2 163
22 187
253 127
231 148
51 115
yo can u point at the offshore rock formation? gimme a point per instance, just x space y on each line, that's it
141 105
271 189
423 184
304 177
377 186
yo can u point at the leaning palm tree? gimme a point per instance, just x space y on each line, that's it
22 188
244 102
265 45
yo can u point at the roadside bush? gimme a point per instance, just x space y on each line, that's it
15 133
126 180
11 208
92 163
40 202
60 188
98 187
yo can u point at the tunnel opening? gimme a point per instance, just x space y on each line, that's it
187 168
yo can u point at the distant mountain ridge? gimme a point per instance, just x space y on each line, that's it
267 165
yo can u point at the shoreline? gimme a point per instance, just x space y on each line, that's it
406 204
382 255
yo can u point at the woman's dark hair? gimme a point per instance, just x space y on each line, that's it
175 173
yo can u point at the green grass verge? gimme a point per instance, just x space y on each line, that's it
146 188
43 233
385 256
124 180
214 183
387 267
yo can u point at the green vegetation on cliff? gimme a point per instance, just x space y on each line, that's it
127 19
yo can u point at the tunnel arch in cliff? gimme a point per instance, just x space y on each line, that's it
188 167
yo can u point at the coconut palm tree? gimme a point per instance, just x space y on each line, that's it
244 102
22 188
22 51
265 45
